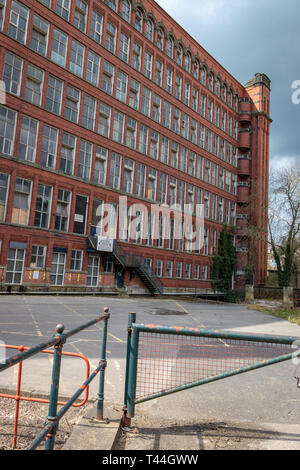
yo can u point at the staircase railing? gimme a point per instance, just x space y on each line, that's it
131 260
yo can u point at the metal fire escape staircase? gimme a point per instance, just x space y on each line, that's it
137 263
131 260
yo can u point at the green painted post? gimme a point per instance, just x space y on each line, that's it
52 411
100 402
131 320
132 372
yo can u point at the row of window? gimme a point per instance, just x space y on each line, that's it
73 156
98 117
16 262
156 229
123 90
163 41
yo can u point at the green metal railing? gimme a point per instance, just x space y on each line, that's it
165 360
59 339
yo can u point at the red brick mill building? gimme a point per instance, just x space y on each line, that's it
113 98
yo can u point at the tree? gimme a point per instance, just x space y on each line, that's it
224 262
284 221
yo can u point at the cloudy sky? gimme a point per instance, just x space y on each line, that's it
247 37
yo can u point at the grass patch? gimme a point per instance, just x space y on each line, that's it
290 315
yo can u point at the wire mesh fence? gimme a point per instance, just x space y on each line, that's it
168 361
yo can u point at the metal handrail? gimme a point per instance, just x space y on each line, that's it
58 341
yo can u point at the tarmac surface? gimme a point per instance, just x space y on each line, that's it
256 410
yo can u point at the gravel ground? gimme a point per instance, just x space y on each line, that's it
32 417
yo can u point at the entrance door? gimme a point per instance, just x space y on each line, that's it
15 266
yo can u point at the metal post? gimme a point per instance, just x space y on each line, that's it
132 373
103 362
131 319
52 412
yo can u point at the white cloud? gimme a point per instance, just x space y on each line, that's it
278 162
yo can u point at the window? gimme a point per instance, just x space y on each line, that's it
49 147
207 205
81 205
170 47
76 260
131 133
209 143
156 109
108 77
152 180
167 115
163 189
28 139
185 128
34 85
100 165
88 114
67 158
121 89
63 8
80 15
149 30
104 120
165 148
174 154
58 268
183 159
2 10
136 56
18 22
39 35
118 127
143 141
204 272
146 101
159 268
195 99
134 94
210 110
203 76
140 180
21 204
38 257
12 73
200 167
77 57
207 171
54 95
188 271
176 120
194 131
93 67
93 271
124 47
15 266
43 206
59 47
178 87
113 4
154 145
217 115
128 175
96 27
173 191
138 23
160 39
111 35
197 271
62 210
85 160
4 181
126 10
158 74
179 270
187 93
148 65
115 171
169 80
72 104
203 106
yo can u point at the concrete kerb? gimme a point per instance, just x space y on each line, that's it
90 434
